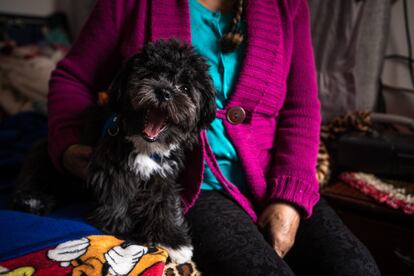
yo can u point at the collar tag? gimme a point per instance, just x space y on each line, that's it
156 157
111 125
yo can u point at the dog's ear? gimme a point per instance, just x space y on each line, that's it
117 89
208 106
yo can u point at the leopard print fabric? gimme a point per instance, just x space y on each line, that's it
354 121
187 269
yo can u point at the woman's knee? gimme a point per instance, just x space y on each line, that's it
227 242
326 246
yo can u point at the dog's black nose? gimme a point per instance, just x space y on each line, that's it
164 94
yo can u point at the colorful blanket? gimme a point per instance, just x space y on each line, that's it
64 244
95 255
90 255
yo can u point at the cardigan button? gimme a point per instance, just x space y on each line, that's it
236 115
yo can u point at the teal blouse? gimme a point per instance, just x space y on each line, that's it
207 28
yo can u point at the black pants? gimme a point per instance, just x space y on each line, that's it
227 242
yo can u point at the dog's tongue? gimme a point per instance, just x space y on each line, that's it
154 124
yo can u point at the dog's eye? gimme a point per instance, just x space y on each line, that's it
184 89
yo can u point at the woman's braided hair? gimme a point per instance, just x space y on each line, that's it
232 39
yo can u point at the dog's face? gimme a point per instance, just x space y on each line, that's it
163 94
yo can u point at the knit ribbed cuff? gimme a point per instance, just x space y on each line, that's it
296 191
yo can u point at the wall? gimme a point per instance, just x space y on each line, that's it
396 73
77 10
31 7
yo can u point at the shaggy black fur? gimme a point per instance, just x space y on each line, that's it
163 97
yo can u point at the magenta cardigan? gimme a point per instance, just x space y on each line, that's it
277 142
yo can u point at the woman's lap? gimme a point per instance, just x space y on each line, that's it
227 242
326 246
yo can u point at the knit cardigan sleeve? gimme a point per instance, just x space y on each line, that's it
293 175
87 69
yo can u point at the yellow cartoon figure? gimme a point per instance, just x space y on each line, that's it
106 255
20 271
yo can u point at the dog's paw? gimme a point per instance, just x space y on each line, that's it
181 255
35 203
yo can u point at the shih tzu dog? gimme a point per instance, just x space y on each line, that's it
161 99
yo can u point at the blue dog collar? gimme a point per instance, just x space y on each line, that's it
111 127
156 157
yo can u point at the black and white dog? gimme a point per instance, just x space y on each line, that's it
162 98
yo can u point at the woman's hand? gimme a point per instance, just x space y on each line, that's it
280 222
76 159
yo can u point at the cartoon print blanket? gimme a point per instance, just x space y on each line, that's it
63 243
95 255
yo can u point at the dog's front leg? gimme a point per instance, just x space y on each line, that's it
110 215
112 219
163 223
177 239
178 243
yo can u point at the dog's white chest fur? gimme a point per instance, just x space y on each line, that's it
144 166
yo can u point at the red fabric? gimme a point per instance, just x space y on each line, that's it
157 269
380 196
39 262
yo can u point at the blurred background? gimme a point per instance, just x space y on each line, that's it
349 36
75 10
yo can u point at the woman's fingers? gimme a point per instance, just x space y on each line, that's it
76 159
280 222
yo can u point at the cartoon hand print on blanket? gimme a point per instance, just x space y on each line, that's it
68 251
122 260
106 255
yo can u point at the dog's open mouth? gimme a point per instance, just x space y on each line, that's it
156 122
